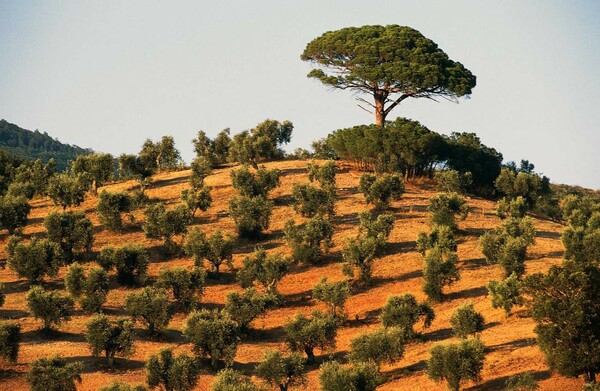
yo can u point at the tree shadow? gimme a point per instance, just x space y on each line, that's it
466 293
547 235
438 335
40 335
346 219
399 373
157 183
13 314
299 299
511 345
400 247
474 263
368 318
499 383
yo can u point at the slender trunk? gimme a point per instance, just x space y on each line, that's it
310 354
283 387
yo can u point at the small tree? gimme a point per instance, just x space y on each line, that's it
116 386
361 376
164 224
151 307
195 199
441 269
261 143
445 206
33 260
201 168
404 312
213 334
282 371
72 231
140 168
245 307
466 321
187 286
91 291
380 191
376 227
360 254
231 380
50 307
215 151
441 236
13 212
521 382
216 248
307 334
99 166
266 270
334 295
452 181
172 373
506 293
68 189
456 363
323 174
75 280
251 215
111 338
310 241
130 261
54 374
10 339
383 345
515 207
257 184
111 207
310 201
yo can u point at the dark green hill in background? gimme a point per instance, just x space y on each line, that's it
29 145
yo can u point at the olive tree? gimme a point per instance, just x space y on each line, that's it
112 206
99 166
385 345
307 334
456 362
466 321
117 386
111 338
13 212
506 294
54 374
231 380
91 291
323 174
72 231
444 208
151 307
515 207
10 339
164 224
251 215
130 261
403 312
310 241
440 270
245 307
361 376
33 260
197 199
187 286
172 373
263 269
256 184
441 236
51 308
67 189
261 143
216 248
282 371
381 190
310 200
334 295
453 181
359 254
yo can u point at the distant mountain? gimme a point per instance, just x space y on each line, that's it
30 145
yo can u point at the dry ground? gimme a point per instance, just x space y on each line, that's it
510 341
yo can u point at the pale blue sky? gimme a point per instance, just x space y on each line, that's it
109 74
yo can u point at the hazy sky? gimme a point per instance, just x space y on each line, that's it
109 74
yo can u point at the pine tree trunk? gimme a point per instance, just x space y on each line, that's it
379 109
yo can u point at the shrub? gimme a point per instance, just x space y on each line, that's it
198 198
441 269
307 334
72 231
310 201
33 260
13 212
361 376
172 373
310 241
130 261
213 334
515 208
110 338
445 206
383 345
403 312
216 249
456 363
151 307
381 190
251 215
50 307
186 286
466 321
164 224
378 228
231 380
324 174
245 307
266 270
116 386
257 184
201 168
110 208
506 294
10 339
507 245
521 382
452 181
54 374
334 295
441 236
359 254
67 189
282 371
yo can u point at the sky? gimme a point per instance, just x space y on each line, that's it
109 74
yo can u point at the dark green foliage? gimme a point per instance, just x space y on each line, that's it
21 189
33 260
266 270
214 151
441 236
245 307
515 208
151 307
198 198
99 166
322 150
116 386
213 334
164 224
310 241
282 371
72 231
440 270
310 201
251 215
445 206
51 308
334 295
359 254
452 181
323 174
130 261
110 208
216 248
54 374
91 291
68 189
172 373
388 63
506 293
385 345
378 227
201 168
187 286
110 338
231 380
261 143
521 382
403 312
13 212
75 280
161 155
361 376
256 184
306 334
457 362
578 210
33 176
381 190
514 184
10 339
466 321
140 168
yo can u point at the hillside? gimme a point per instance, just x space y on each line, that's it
510 341
30 145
